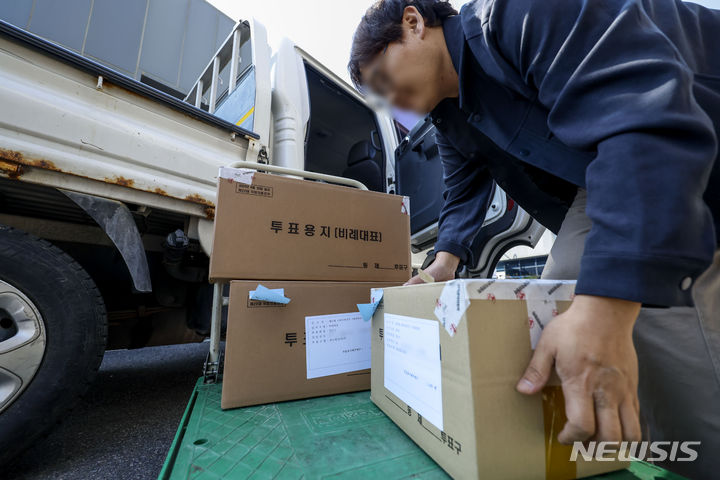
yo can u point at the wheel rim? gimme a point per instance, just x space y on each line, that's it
22 343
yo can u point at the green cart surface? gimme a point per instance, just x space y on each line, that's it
339 437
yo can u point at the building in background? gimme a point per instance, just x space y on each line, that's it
163 43
525 262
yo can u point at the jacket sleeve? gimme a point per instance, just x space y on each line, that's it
615 84
467 193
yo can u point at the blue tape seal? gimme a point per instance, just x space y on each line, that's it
367 310
274 295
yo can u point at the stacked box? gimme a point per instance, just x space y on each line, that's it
300 256
269 227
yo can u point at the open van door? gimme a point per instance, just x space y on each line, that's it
346 134
235 85
419 175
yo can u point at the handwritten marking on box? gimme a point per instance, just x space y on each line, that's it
336 343
412 364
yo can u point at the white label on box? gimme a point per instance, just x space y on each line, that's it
337 343
412 364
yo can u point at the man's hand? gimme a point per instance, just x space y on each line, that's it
594 356
443 268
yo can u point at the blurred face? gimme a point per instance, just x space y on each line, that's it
410 74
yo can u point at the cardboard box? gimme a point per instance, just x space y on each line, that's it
445 361
269 227
266 353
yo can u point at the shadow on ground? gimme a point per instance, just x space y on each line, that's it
124 426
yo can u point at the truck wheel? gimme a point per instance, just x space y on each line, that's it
53 328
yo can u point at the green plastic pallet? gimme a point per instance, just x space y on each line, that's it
339 437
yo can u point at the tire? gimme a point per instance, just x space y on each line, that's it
63 305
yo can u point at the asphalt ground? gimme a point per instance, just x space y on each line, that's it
124 426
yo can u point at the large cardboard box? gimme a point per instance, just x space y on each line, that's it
268 350
271 227
445 361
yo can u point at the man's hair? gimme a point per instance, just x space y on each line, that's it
382 24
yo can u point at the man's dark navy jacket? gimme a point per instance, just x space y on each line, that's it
620 97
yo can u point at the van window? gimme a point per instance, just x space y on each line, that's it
342 137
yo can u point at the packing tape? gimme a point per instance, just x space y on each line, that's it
425 277
557 456
451 305
405 206
367 310
540 297
274 295
240 175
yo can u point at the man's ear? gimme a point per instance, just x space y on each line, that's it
413 23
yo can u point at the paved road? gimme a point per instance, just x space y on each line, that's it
124 426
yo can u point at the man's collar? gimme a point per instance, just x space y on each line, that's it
455 41
454 38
